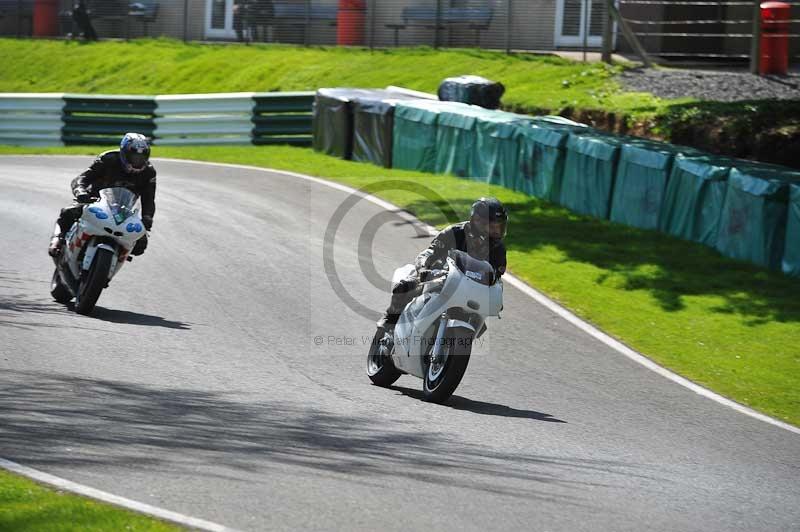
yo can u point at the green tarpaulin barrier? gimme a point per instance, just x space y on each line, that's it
542 152
791 253
495 159
589 172
754 215
694 197
373 126
332 118
456 140
642 175
414 142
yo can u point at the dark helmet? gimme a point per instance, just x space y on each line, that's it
134 152
489 218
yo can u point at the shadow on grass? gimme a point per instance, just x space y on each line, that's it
669 269
52 419
764 130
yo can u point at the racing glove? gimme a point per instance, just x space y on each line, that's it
83 197
147 221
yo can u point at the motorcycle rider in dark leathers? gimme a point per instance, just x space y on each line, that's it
128 167
481 237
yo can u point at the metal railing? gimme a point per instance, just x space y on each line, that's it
666 28
693 30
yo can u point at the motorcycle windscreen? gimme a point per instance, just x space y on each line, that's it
121 202
477 270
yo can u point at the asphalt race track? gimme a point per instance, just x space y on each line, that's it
216 379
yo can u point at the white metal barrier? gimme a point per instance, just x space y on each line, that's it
204 119
31 119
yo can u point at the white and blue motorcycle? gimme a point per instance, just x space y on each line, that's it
434 335
96 247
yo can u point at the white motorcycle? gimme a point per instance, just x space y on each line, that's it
96 247
434 335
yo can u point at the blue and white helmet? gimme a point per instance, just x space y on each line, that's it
134 152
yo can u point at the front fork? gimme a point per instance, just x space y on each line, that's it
445 322
436 352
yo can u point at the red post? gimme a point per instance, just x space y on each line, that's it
775 17
45 18
351 22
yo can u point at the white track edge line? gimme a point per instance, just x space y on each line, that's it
543 300
116 500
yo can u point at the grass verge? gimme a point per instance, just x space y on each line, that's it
724 324
533 82
765 130
26 505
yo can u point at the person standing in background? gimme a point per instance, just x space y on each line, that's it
80 14
241 20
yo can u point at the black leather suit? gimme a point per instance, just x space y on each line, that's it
460 236
106 172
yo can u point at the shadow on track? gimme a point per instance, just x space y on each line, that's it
134 318
17 306
457 402
53 419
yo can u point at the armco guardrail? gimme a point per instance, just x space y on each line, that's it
186 119
204 119
99 119
31 119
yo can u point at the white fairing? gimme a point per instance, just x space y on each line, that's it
416 331
97 228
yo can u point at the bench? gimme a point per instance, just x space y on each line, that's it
429 17
145 11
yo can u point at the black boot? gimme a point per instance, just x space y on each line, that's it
387 323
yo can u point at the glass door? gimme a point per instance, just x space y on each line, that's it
575 17
219 19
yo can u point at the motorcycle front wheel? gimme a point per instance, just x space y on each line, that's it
93 281
443 377
380 369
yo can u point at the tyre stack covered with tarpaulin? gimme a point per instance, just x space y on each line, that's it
755 214
642 175
589 173
695 194
542 155
495 159
333 117
415 126
791 254
373 126
456 139
473 90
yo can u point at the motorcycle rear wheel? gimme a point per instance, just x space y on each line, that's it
93 281
440 383
380 369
